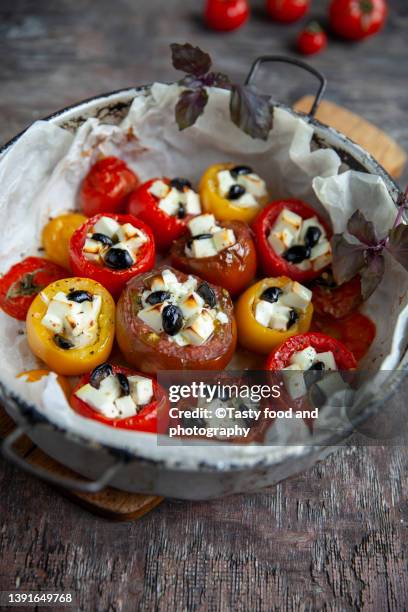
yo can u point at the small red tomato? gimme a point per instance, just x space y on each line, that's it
20 285
357 19
106 187
226 15
312 39
287 11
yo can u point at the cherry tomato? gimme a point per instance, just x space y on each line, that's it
226 15
312 39
356 331
357 19
336 301
57 234
106 187
20 285
287 11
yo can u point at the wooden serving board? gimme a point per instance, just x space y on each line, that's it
118 505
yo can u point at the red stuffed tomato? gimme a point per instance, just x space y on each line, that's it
167 320
280 357
106 187
166 206
121 398
357 19
112 249
24 280
226 256
292 240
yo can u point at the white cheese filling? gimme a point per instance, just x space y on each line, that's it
175 202
198 318
109 400
211 238
75 322
277 315
290 230
300 362
253 188
124 236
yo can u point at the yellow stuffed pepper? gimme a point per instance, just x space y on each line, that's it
57 234
71 325
232 192
271 311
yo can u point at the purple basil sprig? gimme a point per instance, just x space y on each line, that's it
366 257
249 110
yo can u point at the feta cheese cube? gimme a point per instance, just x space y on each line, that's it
151 315
192 202
323 247
263 312
225 182
170 203
202 224
169 278
276 243
287 216
246 201
280 317
199 328
107 226
222 318
312 222
203 248
294 381
128 231
333 383
297 297
224 239
179 339
98 401
253 184
110 387
92 246
191 305
304 265
126 407
328 359
304 359
159 189
322 261
141 389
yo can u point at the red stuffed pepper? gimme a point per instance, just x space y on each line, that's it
167 320
112 249
166 206
121 398
292 240
222 253
106 187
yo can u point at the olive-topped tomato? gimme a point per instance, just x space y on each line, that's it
112 249
219 252
166 206
292 240
232 192
24 280
167 320
121 398
106 187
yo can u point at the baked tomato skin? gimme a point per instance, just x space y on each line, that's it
337 301
166 228
355 330
357 19
57 234
112 280
287 11
106 187
151 352
20 285
233 268
280 357
270 262
147 418
226 15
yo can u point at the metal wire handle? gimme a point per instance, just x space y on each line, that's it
73 484
263 59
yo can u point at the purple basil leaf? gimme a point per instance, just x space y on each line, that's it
398 244
348 259
189 59
220 80
251 111
360 228
190 106
371 275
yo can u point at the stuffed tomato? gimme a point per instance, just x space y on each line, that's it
71 325
335 300
106 187
220 253
112 249
121 398
292 240
166 206
271 311
232 193
167 320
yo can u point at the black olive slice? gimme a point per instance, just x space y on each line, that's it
103 238
297 254
240 170
118 259
99 373
318 365
312 236
293 317
180 184
172 319
181 213
79 296
63 343
208 294
157 297
235 192
198 237
123 383
271 294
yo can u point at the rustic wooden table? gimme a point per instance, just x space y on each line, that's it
332 538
